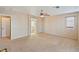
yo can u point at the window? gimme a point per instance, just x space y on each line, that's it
70 22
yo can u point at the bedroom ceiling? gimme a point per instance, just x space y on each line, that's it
35 10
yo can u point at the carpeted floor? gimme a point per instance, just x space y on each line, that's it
41 42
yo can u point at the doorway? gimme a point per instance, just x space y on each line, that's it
33 26
5 26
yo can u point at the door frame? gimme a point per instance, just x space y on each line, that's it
29 25
10 23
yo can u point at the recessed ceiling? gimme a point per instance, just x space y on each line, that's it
35 10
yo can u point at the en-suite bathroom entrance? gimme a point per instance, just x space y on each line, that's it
5 27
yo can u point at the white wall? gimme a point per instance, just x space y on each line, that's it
56 25
19 26
18 23
39 24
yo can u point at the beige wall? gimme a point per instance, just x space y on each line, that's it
56 25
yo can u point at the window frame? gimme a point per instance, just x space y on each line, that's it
72 26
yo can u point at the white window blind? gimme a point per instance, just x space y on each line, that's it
70 22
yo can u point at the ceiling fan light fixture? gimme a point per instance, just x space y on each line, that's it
41 12
42 16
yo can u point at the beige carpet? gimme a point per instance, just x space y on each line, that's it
41 43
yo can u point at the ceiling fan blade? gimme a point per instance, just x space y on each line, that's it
46 14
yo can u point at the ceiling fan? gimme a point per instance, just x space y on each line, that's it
43 14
